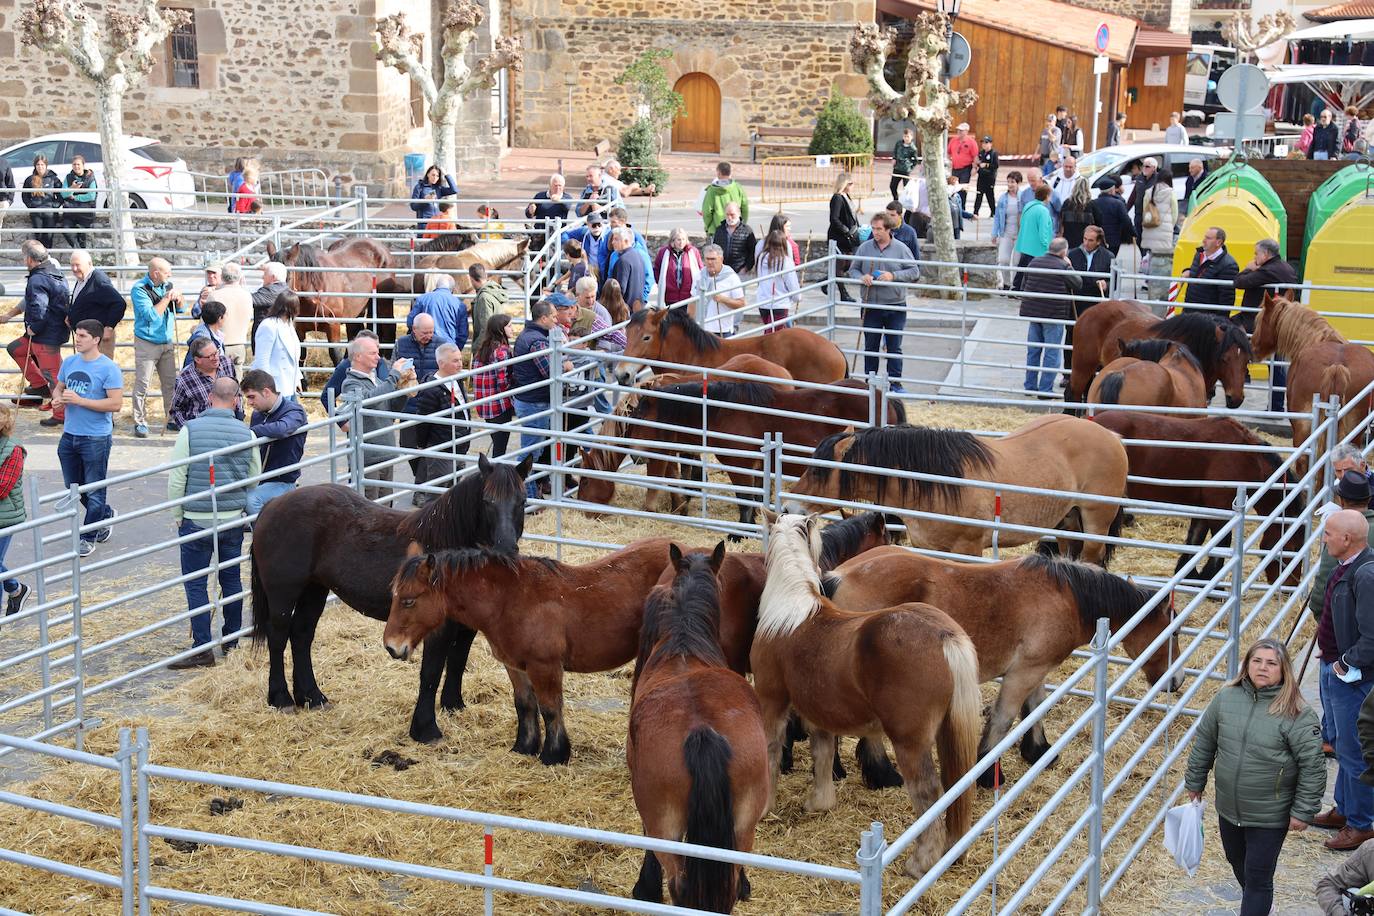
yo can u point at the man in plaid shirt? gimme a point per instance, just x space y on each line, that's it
191 395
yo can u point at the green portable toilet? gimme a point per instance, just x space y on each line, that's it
1333 194
1237 173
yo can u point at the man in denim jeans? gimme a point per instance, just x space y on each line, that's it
533 374
217 498
1047 298
91 387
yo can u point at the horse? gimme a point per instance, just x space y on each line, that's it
1024 616
1219 344
1322 363
1160 462
328 293
326 537
594 489
696 750
1054 452
1151 372
812 416
540 618
670 335
908 672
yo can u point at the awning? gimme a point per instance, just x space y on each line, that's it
1318 73
1354 29
1049 21
1357 9
1158 43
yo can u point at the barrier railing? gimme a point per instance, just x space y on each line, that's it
798 179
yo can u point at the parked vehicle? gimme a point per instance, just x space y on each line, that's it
1173 159
155 178
1206 64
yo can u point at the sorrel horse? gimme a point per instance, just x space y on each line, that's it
1219 344
1052 452
1024 616
1150 372
908 672
540 618
1161 462
812 416
329 293
1321 363
326 537
672 336
696 749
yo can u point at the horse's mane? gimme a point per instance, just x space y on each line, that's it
688 413
841 539
683 618
309 260
449 563
700 338
1199 334
1155 349
448 242
454 520
1297 327
946 452
792 585
1097 592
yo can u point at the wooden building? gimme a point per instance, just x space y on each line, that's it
1153 85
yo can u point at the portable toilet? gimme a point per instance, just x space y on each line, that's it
1333 194
1339 255
1238 173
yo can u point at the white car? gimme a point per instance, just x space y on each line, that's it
1173 160
154 177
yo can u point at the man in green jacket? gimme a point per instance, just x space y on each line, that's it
719 193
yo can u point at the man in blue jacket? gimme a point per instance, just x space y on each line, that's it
279 419
156 304
631 267
37 351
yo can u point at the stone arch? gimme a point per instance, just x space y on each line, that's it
734 89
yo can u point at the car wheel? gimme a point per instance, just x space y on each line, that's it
136 202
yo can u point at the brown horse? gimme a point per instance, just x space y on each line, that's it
1219 344
1163 463
1025 617
540 618
672 336
908 672
594 489
696 749
1056 452
1150 372
1321 363
328 293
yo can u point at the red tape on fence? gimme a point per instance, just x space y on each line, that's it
489 843
997 505
212 475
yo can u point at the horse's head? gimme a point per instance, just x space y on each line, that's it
800 532
503 502
819 480
1233 364
418 603
643 341
1265 341
1139 639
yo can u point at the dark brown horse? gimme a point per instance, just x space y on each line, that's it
1163 463
1150 372
696 750
672 336
1219 344
326 537
330 293
540 618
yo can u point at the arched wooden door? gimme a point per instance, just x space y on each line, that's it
697 128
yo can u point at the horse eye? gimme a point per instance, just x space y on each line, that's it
407 602
646 338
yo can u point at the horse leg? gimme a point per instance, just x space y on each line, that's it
822 797
526 714
1034 744
278 635
650 884
1100 519
774 711
303 623
877 768
547 680
451 699
923 788
796 731
423 728
1016 686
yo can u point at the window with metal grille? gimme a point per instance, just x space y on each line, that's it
183 60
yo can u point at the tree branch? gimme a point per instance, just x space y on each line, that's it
49 26
397 47
506 54
869 49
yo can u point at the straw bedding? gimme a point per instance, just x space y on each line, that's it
218 722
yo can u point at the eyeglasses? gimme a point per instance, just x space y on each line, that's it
211 355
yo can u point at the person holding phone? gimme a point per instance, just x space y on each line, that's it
156 301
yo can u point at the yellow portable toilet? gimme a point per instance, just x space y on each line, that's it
1341 253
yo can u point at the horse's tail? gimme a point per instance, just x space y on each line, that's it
958 736
261 611
707 884
1334 381
1110 392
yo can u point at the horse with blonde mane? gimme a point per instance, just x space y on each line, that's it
907 672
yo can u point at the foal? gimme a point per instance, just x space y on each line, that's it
697 753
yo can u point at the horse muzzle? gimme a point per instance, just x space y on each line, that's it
398 652
1233 403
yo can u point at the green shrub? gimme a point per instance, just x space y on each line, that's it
840 128
638 155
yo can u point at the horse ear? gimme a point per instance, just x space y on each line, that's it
1268 299
414 550
271 251
1221 332
483 463
1120 347
523 468
675 555
718 556
770 517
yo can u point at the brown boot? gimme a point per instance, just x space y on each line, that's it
1331 820
1349 838
204 659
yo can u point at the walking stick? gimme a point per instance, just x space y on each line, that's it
1306 657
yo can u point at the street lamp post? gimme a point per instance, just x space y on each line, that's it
950 10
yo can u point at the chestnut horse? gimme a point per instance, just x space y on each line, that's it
1025 617
540 618
672 336
696 750
1055 452
1321 363
1163 463
1150 372
908 672
1219 344
326 537
332 294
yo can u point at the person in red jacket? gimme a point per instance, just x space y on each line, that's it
963 152
677 266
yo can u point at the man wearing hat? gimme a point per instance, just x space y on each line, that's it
963 152
1110 213
987 177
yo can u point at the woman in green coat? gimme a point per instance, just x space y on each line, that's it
1265 745
11 505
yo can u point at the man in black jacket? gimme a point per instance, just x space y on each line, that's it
279 419
736 239
273 285
1092 257
1265 271
1110 213
95 297
1212 262
37 351
448 400
1047 296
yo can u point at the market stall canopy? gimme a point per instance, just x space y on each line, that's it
1352 29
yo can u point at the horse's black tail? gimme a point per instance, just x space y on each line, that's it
708 885
261 610
1110 392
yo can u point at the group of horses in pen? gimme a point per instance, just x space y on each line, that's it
834 630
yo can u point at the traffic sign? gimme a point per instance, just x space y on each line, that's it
960 55
1242 87
1228 125
1103 37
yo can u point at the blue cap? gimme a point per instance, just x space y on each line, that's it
560 300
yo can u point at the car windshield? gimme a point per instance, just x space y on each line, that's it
155 152
1100 161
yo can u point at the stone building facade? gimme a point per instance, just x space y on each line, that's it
1165 15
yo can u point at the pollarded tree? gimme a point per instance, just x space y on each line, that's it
927 100
113 59
1248 37
398 47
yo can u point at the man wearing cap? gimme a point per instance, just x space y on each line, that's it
214 272
1110 213
963 151
988 161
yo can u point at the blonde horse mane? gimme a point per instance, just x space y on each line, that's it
792 589
1297 327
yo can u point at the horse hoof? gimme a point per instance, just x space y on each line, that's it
744 889
557 755
528 750
282 702
428 734
987 779
817 803
453 707
317 701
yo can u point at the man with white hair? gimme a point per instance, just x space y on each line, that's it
736 239
238 312
445 308
446 399
273 285
96 298
717 294
37 351
630 267
156 304
550 205
362 383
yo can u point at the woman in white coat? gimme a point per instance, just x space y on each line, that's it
277 346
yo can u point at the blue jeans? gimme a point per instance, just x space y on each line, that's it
1356 798
1042 352
1329 717
195 556
883 326
525 409
265 493
11 585
85 459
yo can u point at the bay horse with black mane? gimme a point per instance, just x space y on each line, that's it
696 750
327 292
1151 372
1219 344
327 537
670 335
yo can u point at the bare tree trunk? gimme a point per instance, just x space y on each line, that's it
937 192
444 120
110 116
